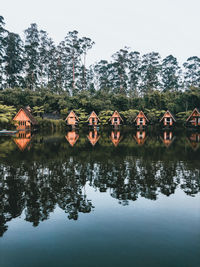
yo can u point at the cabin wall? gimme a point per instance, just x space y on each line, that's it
22 120
115 121
71 121
93 121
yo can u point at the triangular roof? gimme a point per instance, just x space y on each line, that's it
142 113
93 114
172 116
28 114
72 113
93 141
116 114
196 109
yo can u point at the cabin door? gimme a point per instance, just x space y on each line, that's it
141 121
93 121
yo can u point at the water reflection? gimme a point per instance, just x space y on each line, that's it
93 137
116 137
50 174
23 139
167 138
72 137
140 137
194 140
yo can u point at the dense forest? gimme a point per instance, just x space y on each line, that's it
35 71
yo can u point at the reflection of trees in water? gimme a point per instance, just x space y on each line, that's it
38 187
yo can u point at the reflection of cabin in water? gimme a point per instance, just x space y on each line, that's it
167 138
93 137
72 119
194 118
141 120
24 119
22 139
116 119
194 140
115 137
72 137
168 119
140 137
93 119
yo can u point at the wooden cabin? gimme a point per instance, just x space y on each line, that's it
93 119
140 137
194 118
22 139
72 137
141 120
167 138
116 119
72 119
115 137
24 119
93 137
194 140
168 119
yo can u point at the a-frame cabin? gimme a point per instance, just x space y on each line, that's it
168 119
24 119
194 118
116 119
141 120
72 119
93 119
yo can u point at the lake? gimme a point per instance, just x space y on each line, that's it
100 198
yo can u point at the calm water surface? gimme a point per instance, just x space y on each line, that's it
100 198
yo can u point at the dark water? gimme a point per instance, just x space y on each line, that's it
100 199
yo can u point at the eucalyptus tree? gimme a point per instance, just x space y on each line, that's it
102 75
134 65
170 73
119 70
150 70
2 46
192 71
13 60
32 56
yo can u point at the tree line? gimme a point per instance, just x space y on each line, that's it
36 62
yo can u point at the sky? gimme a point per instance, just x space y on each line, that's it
164 26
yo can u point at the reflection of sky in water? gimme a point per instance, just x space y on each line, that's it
164 232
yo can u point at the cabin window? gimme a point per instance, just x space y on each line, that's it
168 120
140 135
141 120
93 120
115 119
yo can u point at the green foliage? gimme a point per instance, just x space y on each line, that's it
104 116
130 115
6 113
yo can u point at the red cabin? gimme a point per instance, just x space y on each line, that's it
194 118
168 119
93 119
141 120
115 137
72 137
140 137
72 119
24 119
22 139
116 119
93 137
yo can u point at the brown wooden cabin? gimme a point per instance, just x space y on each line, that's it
194 140
24 119
116 119
140 137
72 137
72 119
93 137
141 120
115 137
194 118
168 119
22 139
93 119
167 138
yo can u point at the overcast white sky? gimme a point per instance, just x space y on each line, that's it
164 26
